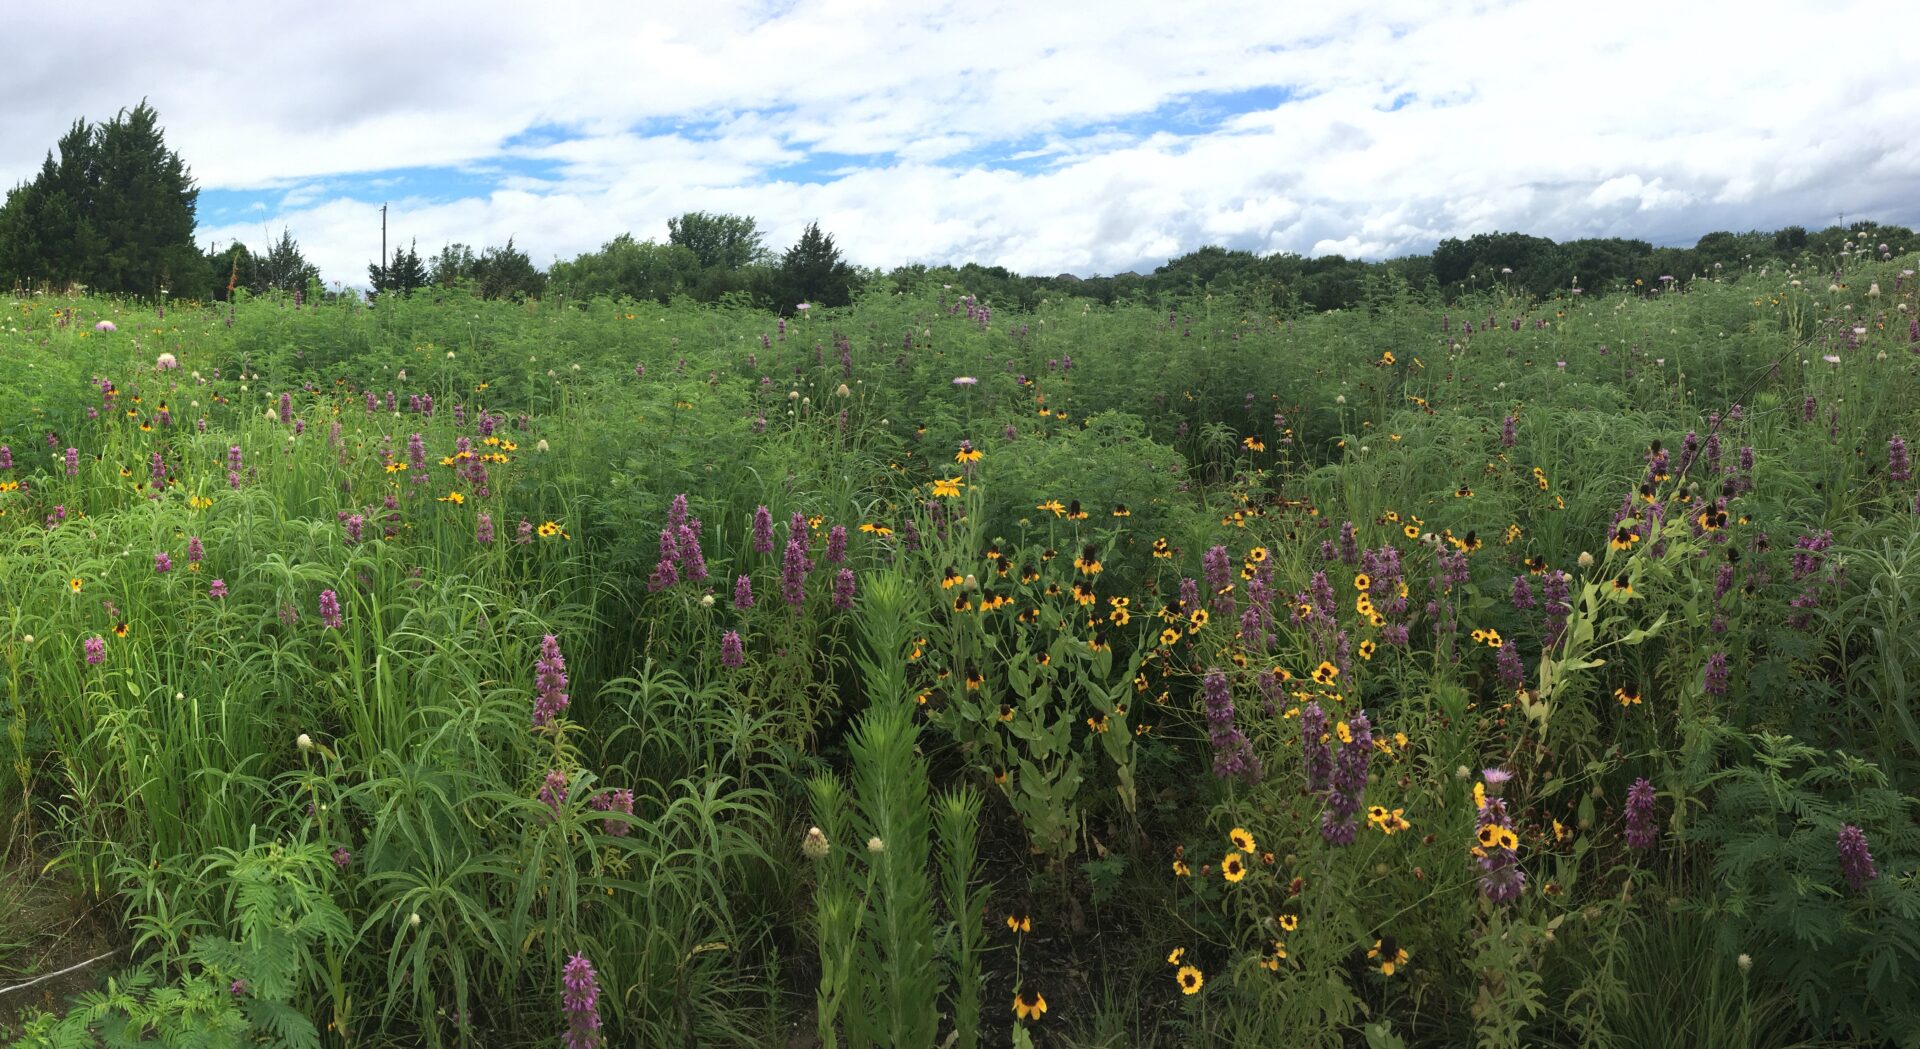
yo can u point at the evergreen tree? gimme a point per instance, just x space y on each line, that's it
812 271
283 267
507 273
115 212
403 273
454 264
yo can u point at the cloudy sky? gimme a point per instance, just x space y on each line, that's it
1046 137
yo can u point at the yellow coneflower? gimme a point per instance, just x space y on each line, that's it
1627 698
967 454
1623 538
1388 953
1623 585
1097 726
1270 961
1191 979
1088 562
1084 594
121 629
1020 923
1029 1006
1162 549
1120 510
951 578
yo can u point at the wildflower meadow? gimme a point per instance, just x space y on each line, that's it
1512 670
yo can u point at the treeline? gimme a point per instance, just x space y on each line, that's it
112 210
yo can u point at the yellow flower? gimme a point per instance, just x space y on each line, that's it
1340 729
1325 673
1180 869
1289 922
1361 581
74 584
967 454
1242 840
1029 1006
453 497
549 529
1233 868
1479 795
1022 923
1389 954
947 487
1175 956
1191 979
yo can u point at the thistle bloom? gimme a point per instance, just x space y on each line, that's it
330 610
1640 832
732 651
1856 863
582 1001
550 682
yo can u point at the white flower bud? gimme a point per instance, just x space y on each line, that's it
814 846
876 846
304 741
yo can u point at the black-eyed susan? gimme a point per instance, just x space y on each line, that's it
1387 954
951 578
1242 839
1098 726
1627 697
1052 505
1074 511
1190 979
1623 585
1084 594
1029 1005
1088 562
121 629
947 487
967 453
974 678
455 498
1233 868
1006 712
1162 549
1253 444
1021 923
1120 510
1623 538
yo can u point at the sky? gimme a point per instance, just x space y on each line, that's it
1045 137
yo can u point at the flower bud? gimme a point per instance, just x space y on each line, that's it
304 742
814 846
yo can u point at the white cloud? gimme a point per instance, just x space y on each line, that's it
1105 129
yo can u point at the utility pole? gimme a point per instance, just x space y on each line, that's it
383 243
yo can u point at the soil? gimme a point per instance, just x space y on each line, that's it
47 923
